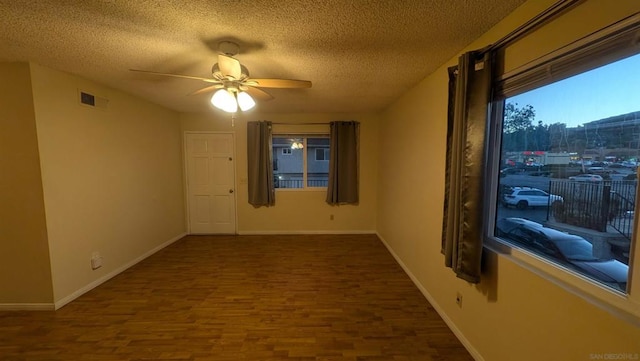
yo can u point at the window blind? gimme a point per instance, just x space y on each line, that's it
615 42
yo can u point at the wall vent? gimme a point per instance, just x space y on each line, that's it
92 100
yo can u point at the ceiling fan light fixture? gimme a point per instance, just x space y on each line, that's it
223 99
231 80
245 101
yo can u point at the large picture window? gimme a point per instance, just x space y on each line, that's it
296 163
568 184
565 158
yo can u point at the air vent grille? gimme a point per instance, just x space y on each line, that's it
88 99
91 100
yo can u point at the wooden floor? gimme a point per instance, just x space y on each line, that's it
234 298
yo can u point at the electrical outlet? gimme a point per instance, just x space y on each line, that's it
459 299
96 260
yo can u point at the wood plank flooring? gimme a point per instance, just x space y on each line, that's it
309 297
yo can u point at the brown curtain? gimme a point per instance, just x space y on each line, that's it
469 98
260 165
343 163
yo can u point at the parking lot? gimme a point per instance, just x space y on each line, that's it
538 214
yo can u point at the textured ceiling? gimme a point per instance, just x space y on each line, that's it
361 55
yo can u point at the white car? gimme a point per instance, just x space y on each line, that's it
566 249
586 178
524 197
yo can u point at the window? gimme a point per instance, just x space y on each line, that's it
563 158
322 154
556 134
296 163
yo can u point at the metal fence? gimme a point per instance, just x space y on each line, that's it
317 182
595 205
299 183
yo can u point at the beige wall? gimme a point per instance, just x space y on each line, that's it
111 182
25 274
299 211
112 178
513 314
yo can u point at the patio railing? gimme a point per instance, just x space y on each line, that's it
298 183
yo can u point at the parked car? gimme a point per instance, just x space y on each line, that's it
524 197
586 178
505 171
566 249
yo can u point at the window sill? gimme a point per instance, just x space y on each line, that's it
617 303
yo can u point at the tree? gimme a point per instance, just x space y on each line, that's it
518 126
558 138
541 136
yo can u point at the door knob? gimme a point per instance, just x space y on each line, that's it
230 190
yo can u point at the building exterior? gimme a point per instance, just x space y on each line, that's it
289 163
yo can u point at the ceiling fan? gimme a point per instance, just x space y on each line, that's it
235 89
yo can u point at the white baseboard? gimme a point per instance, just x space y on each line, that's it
65 300
456 331
27 307
289 232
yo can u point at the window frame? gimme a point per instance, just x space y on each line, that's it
325 155
602 47
303 137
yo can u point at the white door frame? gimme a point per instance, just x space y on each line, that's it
186 181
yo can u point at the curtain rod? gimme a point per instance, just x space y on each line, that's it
285 123
533 23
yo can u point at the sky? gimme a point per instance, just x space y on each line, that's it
613 89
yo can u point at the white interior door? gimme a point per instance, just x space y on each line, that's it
211 194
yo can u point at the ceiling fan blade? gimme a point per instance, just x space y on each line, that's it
207 89
208 80
229 66
280 83
258 94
